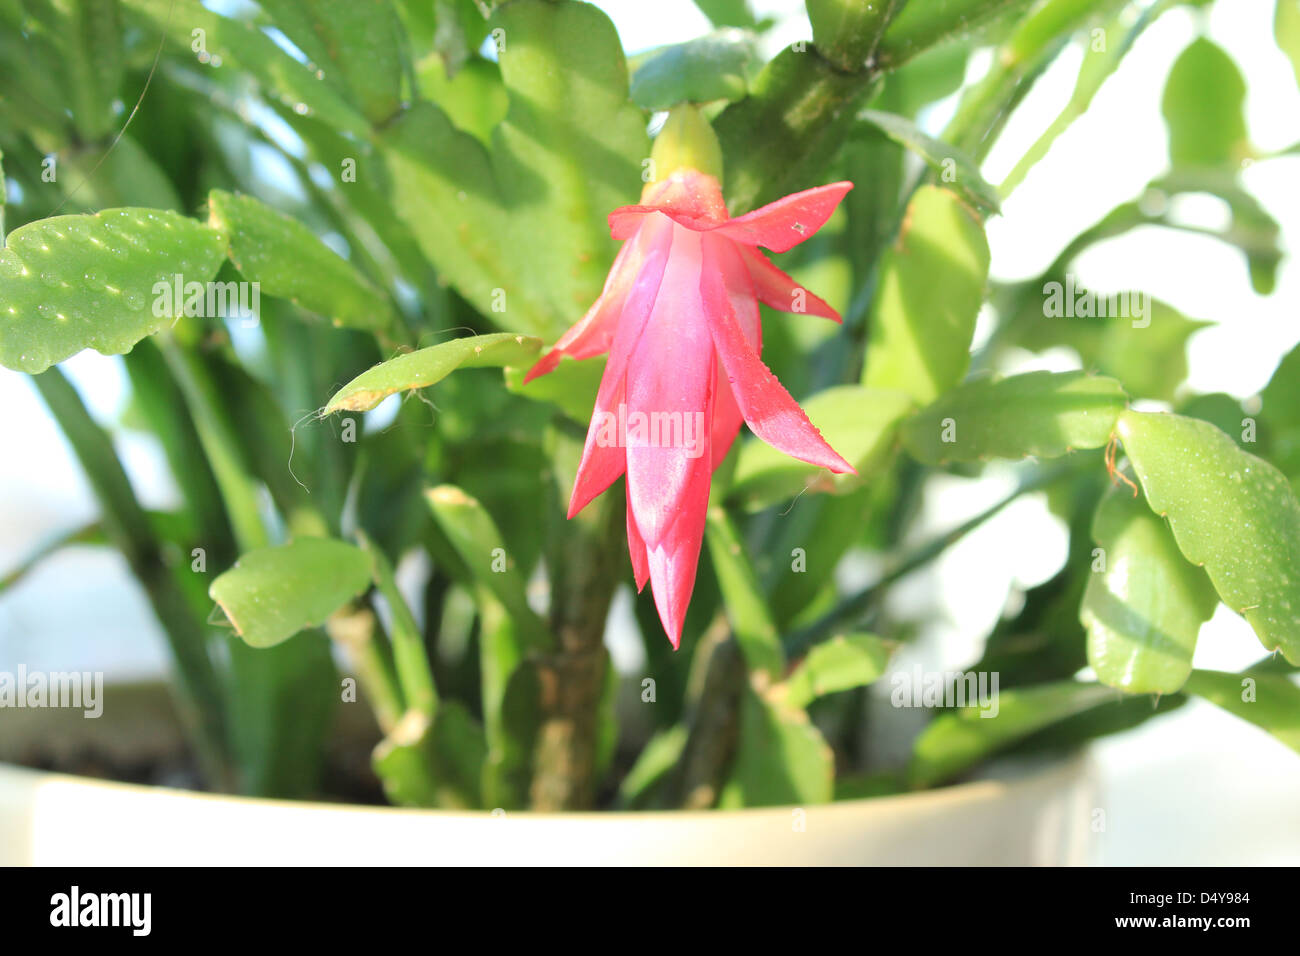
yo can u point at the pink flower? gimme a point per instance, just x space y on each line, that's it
679 318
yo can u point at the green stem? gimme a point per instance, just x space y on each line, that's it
356 630
162 404
585 560
572 679
127 526
802 105
848 32
1017 63
281 695
781 136
87 533
410 657
238 488
718 680
926 23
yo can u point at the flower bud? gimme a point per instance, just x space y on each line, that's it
687 141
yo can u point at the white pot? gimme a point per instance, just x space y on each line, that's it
1040 817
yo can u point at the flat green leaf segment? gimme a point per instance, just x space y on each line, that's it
1203 108
858 422
75 282
840 664
1251 227
428 366
456 29
1269 701
953 166
520 229
273 593
1144 603
727 13
781 758
1230 512
1280 416
287 260
961 738
572 386
357 46
472 95
1148 357
86 38
709 68
1286 29
1040 414
931 286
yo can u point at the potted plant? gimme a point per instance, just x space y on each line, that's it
448 356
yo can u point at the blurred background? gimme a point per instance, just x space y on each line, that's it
1196 786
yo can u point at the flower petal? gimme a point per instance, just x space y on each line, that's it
674 563
779 291
603 457
688 197
603 461
726 413
636 549
769 410
669 399
672 376
625 220
592 334
784 224
726 417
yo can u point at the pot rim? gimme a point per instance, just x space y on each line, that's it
1076 765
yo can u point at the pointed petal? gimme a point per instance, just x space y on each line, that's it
626 220
602 460
741 292
672 376
784 224
603 457
673 566
547 363
636 549
592 334
727 417
669 398
769 410
778 290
